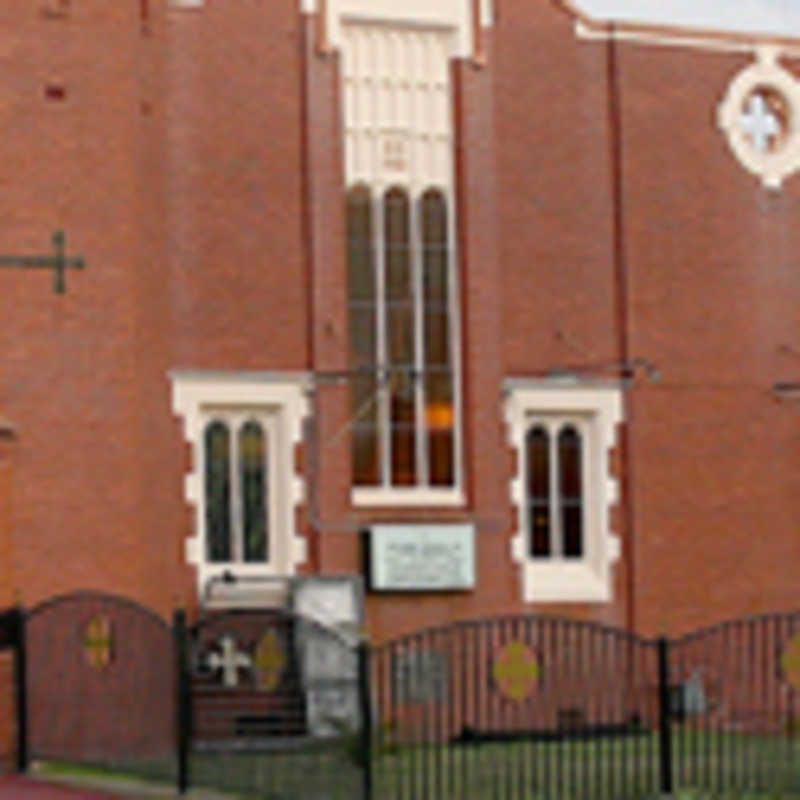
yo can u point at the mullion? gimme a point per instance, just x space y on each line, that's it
237 511
553 429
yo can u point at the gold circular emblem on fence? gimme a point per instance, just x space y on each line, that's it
270 661
97 642
516 671
790 662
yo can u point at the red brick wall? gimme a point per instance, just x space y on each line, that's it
712 295
198 170
714 291
174 166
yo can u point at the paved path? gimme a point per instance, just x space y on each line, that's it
15 788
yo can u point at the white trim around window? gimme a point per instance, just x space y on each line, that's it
279 402
595 410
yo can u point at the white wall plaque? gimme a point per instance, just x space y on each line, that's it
422 557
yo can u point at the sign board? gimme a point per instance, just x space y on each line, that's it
422 558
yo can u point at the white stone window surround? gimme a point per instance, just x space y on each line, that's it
279 398
397 89
588 579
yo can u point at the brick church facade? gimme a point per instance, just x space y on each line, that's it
499 269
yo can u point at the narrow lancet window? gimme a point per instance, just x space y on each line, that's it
399 332
571 492
218 492
253 482
438 364
363 328
539 515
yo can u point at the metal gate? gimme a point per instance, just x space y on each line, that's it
521 708
100 678
275 707
736 716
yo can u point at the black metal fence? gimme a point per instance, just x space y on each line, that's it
524 708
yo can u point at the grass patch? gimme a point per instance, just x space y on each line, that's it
708 766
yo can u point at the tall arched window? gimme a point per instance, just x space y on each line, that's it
217 492
401 330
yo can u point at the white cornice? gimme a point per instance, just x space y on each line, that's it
456 15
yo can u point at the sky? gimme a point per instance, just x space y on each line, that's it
769 17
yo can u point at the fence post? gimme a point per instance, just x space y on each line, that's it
366 719
664 716
184 708
21 688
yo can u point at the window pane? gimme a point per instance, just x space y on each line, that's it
437 339
396 242
440 422
362 334
400 334
218 492
366 452
569 464
404 472
434 249
359 240
254 487
538 457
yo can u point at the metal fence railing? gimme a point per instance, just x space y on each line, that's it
524 708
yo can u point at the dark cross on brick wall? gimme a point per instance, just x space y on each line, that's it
59 262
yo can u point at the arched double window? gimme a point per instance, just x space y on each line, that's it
237 496
555 489
401 339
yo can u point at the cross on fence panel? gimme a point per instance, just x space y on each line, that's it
275 707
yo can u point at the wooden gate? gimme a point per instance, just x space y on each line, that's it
100 683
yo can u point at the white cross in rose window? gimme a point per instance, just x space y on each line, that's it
230 662
760 123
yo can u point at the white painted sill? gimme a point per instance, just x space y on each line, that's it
565 583
412 497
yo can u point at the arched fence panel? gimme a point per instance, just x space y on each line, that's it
100 678
736 706
522 707
269 703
